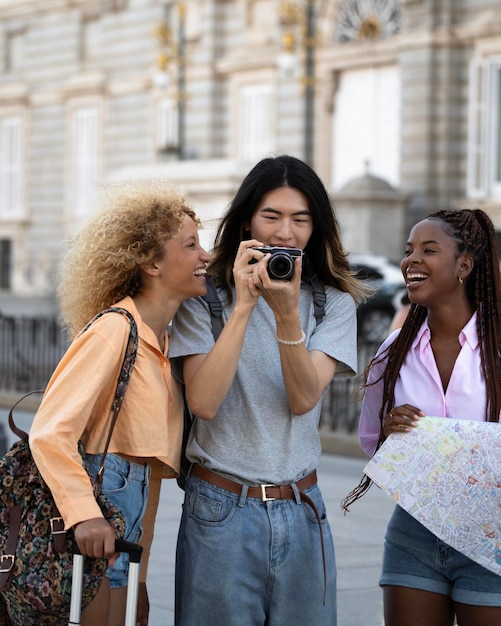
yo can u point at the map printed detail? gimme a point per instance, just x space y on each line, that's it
447 474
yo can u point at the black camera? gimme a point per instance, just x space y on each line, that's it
281 262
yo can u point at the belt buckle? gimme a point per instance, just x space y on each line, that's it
264 497
57 526
6 563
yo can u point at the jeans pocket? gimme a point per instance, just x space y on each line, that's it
113 482
316 496
211 509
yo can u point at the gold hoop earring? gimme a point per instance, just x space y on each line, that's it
460 278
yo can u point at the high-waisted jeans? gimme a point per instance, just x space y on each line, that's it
244 562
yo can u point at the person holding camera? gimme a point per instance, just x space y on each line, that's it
254 543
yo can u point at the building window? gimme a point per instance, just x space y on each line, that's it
14 51
255 122
10 167
167 125
366 129
484 138
5 263
85 151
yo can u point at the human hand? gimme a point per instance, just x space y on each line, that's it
243 271
401 419
281 295
143 606
96 539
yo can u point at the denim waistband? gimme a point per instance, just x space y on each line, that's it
133 471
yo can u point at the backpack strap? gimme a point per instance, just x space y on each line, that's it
317 288
319 298
215 307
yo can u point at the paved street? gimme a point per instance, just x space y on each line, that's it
358 538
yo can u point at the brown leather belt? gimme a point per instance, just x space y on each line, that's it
263 492
267 493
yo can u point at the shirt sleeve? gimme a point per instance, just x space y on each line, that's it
191 330
336 335
370 426
78 397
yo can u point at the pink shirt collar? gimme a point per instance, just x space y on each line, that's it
468 334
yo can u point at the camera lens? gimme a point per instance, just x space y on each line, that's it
281 266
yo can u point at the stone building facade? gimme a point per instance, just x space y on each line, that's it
97 91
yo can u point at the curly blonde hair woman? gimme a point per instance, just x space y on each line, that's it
103 264
141 252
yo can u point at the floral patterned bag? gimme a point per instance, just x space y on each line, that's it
36 553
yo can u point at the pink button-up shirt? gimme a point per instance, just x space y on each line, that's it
419 384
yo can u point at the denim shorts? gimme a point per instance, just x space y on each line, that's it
414 557
126 485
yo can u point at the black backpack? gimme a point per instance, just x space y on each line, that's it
216 313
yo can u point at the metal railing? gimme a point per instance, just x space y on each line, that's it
31 347
342 401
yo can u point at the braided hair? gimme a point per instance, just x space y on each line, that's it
474 234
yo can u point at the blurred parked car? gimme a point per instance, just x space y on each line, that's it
376 313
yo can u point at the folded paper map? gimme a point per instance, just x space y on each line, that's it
447 474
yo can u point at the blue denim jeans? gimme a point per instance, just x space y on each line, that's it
244 562
125 484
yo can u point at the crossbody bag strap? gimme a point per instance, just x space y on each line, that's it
123 380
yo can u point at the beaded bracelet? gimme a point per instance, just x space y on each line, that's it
292 343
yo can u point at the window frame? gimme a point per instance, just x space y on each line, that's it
484 128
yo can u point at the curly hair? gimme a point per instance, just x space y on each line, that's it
103 262
324 251
474 234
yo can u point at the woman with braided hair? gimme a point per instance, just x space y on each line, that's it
444 361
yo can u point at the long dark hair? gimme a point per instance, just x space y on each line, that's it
474 234
324 250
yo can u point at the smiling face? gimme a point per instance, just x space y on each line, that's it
282 218
182 267
432 266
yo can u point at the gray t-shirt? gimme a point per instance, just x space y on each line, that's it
254 438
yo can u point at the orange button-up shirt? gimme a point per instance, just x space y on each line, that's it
76 407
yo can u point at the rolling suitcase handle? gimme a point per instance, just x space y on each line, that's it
134 551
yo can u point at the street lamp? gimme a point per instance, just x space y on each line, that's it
171 59
292 16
